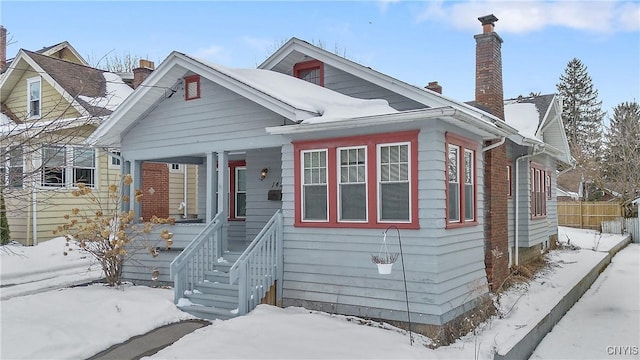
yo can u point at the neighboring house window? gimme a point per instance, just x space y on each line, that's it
360 182
461 181
237 190
114 161
66 166
34 97
84 166
192 87
176 168
509 182
538 196
53 166
11 169
311 71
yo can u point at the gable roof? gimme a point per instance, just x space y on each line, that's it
292 98
52 49
90 91
534 116
300 50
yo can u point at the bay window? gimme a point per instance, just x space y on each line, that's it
367 181
461 181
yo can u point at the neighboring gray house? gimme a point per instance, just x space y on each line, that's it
303 164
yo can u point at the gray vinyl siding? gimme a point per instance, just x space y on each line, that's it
351 85
330 268
259 208
219 120
534 231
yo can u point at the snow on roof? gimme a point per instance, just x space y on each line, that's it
117 91
522 116
328 104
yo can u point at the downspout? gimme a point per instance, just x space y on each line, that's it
517 219
34 214
184 200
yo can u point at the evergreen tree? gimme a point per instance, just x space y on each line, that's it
581 112
4 223
622 165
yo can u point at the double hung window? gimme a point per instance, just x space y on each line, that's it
34 97
461 181
66 166
538 191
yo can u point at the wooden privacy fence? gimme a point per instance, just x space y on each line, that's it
587 215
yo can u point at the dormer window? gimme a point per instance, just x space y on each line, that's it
192 87
34 96
311 71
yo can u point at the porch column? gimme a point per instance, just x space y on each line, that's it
223 195
212 184
136 174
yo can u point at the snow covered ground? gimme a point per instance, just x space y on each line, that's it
79 322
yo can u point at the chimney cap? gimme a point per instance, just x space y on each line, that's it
488 19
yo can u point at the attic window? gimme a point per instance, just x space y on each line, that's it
192 87
311 71
33 98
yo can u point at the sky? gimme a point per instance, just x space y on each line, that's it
75 323
414 41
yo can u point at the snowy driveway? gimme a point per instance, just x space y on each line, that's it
605 322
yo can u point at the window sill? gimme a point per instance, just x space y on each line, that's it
461 225
358 225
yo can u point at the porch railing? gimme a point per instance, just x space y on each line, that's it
259 266
201 255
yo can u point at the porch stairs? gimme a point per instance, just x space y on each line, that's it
212 287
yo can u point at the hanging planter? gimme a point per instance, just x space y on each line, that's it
384 260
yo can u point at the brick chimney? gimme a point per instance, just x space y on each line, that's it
3 49
489 67
141 73
433 86
489 94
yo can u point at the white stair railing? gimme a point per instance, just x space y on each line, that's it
259 266
201 255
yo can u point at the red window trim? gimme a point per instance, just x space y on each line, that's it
187 81
464 144
510 180
309 65
232 189
371 142
543 174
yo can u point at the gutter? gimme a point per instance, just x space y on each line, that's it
442 113
517 219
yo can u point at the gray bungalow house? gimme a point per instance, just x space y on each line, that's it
304 164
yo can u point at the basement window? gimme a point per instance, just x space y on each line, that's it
192 87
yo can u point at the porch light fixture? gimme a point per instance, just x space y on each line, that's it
263 173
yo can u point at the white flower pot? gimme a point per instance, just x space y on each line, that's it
384 269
